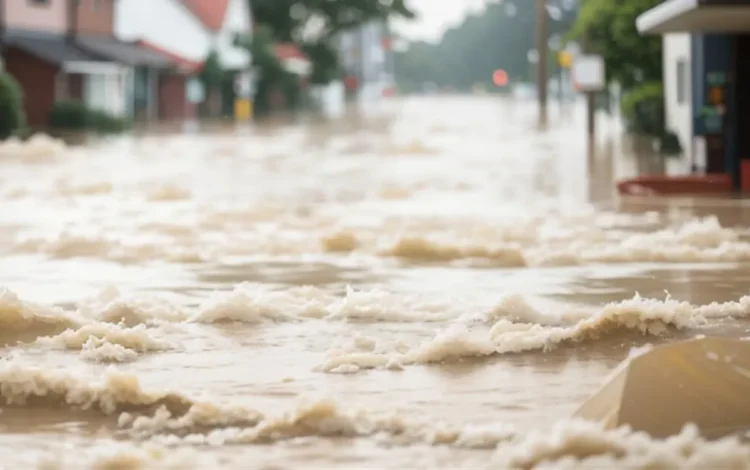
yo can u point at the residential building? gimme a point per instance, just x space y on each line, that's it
718 64
194 29
39 52
136 94
66 49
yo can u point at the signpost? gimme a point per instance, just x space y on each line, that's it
244 88
589 77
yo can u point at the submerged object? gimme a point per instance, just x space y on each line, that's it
686 185
702 381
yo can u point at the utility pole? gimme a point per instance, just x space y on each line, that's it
590 97
542 64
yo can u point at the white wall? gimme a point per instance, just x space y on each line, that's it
165 24
678 115
237 20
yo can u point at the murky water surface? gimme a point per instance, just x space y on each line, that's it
429 287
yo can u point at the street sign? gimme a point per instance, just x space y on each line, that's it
195 91
243 85
588 73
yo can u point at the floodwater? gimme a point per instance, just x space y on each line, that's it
438 285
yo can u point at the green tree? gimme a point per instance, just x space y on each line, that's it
609 28
12 116
501 36
313 25
631 59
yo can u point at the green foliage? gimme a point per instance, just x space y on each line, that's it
74 115
12 115
291 20
469 53
287 18
609 28
669 144
643 109
212 73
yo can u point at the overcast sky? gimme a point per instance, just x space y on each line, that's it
435 16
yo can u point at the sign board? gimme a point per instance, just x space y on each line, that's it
588 73
195 91
243 85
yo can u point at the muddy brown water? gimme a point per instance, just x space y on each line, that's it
429 286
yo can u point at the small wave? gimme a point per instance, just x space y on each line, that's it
253 303
169 192
116 455
107 342
649 317
170 418
38 148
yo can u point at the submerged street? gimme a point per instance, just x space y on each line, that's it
430 286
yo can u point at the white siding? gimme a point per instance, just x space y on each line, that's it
678 114
165 24
237 20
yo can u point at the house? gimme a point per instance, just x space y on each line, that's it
194 29
39 51
65 49
711 40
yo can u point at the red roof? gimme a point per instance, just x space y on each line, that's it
210 12
287 50
186 66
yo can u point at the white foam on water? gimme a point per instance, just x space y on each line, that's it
649 317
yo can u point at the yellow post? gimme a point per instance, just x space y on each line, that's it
565 59
243 109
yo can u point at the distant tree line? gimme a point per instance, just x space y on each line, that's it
500 37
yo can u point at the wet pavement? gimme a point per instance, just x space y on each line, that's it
430 286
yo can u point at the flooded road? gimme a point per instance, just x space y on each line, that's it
439 286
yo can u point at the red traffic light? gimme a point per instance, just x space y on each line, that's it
500 78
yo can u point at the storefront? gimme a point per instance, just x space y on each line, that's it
720 76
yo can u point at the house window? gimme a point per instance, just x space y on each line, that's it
682 78
39 3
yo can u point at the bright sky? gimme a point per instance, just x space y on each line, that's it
435 16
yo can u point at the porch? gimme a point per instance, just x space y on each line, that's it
49 69
146 65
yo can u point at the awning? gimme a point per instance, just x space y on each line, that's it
696 16
53 49
123 52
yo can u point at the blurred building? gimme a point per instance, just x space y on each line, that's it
185 32
368 62
707 80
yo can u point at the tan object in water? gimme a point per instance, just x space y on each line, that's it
702 381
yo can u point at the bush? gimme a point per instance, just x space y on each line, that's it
643 110
69 115
12 115
75 115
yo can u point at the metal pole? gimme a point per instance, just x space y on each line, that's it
541 47
590 99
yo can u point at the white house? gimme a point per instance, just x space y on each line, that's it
190 29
